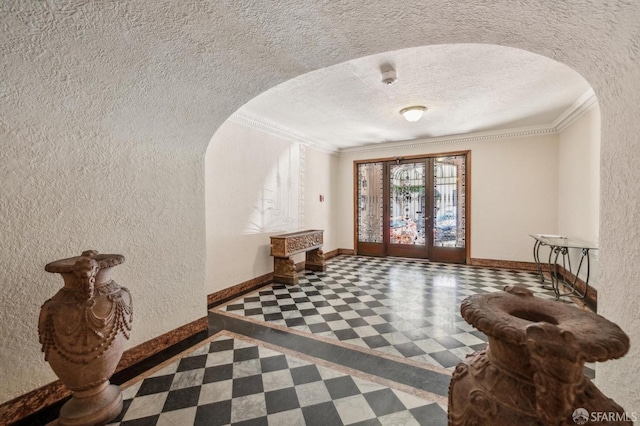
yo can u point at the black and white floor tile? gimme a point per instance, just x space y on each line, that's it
371 341
397 307
234 380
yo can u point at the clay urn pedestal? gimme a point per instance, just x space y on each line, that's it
531 372
83 330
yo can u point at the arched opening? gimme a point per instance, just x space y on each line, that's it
508 106
519 159
123 100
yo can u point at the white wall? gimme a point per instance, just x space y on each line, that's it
579 186
320 178
513 191
259 185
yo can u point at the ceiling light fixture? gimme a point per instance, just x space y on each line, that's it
413 113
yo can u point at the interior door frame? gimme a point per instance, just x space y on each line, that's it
436 253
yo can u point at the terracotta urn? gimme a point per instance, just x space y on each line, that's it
83 330
531 372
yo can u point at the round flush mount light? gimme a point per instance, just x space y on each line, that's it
413 113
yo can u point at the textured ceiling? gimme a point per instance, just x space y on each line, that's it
466 88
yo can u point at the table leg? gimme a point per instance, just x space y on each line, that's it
572 285
315 260
284 270
566 279
536 258
585 253
553 270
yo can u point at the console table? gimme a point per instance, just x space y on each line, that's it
284 246
560 245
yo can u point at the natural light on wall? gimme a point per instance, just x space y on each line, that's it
279 205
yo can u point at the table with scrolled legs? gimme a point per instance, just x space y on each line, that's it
560 245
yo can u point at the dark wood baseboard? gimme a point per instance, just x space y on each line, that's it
54 392
591 298
32 402
153 346
503 264
330 254
590 301
230 293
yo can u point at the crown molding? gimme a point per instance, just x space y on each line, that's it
583 104
468 137
255 122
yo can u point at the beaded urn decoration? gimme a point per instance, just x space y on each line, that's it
531 373
83 330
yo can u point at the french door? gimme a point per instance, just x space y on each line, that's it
414 207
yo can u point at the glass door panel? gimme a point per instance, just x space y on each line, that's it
449 208
407 204
413 208
407 197
370 208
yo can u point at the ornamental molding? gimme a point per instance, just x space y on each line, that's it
581 106
469 137
260 124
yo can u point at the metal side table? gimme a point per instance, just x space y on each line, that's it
560 245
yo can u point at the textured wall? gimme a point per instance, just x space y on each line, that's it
95 153
100 95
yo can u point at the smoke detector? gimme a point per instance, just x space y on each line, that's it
389 76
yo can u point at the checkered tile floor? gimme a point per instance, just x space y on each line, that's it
404 308
233 380
370 341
